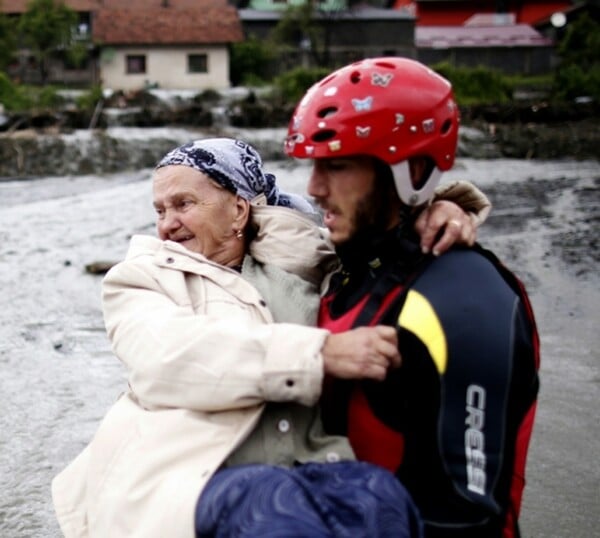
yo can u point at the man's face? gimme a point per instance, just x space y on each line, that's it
193 211
344 189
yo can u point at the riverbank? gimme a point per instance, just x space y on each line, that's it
131 138
50 152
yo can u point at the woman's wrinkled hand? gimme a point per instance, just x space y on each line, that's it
365 352
444 224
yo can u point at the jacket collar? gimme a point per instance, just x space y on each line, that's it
292 241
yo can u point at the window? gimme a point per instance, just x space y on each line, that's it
136 64
197 63
81 32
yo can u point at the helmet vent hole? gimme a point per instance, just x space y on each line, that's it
327 111
322 136
446 126
326 80
387 65
355 77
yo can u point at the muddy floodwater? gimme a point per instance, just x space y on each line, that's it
58 376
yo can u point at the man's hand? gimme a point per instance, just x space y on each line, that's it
458 227
365 352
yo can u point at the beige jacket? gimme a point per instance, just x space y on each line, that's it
203 357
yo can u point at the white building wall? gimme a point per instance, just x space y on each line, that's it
167 67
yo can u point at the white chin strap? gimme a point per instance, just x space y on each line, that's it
404 185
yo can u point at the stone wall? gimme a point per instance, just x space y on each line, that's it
486 132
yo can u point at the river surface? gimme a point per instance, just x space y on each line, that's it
58 376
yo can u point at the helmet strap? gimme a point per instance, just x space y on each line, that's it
404 184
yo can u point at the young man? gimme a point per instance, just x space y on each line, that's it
454 422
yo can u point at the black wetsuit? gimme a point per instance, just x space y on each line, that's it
454 421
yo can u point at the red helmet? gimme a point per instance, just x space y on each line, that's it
389 108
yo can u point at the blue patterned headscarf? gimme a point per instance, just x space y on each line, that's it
237 167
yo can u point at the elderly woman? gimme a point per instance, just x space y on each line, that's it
213 321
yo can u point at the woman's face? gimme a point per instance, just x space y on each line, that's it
199 214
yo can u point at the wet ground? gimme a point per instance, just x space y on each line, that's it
58 377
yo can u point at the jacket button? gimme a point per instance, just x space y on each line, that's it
170 260
262 303
283 426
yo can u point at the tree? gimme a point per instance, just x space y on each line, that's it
310 25
46 26
298 27
7 41
578 73
250 61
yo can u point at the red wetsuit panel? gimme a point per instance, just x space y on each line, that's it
370 438
518 476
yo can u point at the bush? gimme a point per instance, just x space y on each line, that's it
207 96
578 73
47 97
574 81
90 99
476 85
293 84
13 96
19 97
250 61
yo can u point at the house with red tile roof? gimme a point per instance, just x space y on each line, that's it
20 6
171 44
167 46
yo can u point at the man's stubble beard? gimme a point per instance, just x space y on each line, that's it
379 211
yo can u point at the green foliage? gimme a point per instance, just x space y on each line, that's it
293 84
45 27
253 80
310 26
581 43
530 81
13 96
578 73
208 96
250 61
89 99
77 54
476 85
296 24
47 97
574 81
19 97
8 41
